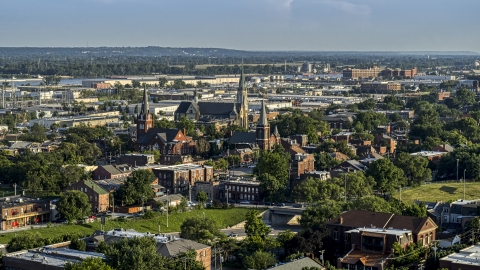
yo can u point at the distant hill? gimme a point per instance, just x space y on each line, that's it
154 51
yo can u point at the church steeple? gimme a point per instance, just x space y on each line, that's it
242 101
144 118
263 130
241 86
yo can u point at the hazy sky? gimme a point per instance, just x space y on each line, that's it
319 25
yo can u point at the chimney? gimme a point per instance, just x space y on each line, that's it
444 146
340 220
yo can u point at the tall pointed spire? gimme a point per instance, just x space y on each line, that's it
275 132
241 86
263 121
145 108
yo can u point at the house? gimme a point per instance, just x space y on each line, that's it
112 172
339 121
361 235
385 140
446 148
98 197
171 199
18 211
167 245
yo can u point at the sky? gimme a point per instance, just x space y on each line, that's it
287 25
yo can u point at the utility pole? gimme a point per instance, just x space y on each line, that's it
464 180
457 169
227 194
345 187
167 208
400 193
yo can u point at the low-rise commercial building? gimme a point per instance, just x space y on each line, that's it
19 211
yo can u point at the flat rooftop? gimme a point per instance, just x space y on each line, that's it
466 256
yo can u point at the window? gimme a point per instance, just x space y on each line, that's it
335 234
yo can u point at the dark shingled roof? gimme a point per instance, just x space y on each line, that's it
166 135
223 109
184 105
243 137
362 218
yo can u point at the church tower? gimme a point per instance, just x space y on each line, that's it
242 100
263 130
144 118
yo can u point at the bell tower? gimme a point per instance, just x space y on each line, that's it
144 118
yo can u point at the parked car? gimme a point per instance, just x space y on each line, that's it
297 205
232 234
280 204
251 166
244 202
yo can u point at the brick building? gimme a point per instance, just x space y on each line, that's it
380 87
98 197
239 191
367 237
135 159
20 212
112 172
211 188
177 178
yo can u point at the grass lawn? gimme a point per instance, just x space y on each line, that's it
224 218
9 191
441 192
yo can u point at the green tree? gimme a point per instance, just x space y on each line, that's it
464 97
162 81
186 125
200 229
137 187
316 215
372 203
89 263
202 197
388 177
260 260
415 168
370 120
221 164
324 161
78 244
254 226
179 84
74 205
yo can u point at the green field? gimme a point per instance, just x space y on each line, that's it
224 218
440 192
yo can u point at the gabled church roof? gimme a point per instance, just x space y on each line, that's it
217 108
184 105
165 135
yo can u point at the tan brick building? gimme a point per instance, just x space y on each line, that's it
20 212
